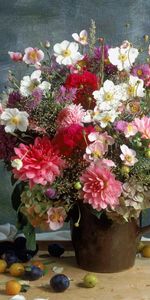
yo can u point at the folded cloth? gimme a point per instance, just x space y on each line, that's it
7 232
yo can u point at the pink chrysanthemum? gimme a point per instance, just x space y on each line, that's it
143 126
100 188
72 114
41 162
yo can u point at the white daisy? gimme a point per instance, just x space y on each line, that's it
128 155
81 38
104 118
67 53
123 57
30 83
108 96
14 119
135 87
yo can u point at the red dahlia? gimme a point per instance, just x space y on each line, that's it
86 83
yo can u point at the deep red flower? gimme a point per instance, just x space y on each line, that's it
86 83
71 138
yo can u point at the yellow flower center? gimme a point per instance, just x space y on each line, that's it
83 38
96 154
66 53
55 217
131 90
15 120
139 72
130 127
33 55
134 107
123 57
128 158
33 85
108 96
106 119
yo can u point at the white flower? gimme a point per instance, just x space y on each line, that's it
14 119
123 57
106 117
81 37
128 155
17 163
67 53
135 87
108 96
29 83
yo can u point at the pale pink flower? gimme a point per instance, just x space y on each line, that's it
1 108
33 56
94 151
100 188
72 114
128 155
143 126
130 129
56 217
108 163
15 56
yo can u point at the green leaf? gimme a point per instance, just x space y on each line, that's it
97 213
29 233
16 195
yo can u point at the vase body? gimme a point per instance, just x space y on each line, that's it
102 245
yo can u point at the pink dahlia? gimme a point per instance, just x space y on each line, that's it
143 126
100 188
72 114
41 162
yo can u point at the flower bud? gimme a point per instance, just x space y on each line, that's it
77 185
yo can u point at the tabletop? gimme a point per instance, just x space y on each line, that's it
127 285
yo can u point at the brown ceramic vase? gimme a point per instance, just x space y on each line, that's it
102 245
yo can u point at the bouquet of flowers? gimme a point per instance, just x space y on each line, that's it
76 129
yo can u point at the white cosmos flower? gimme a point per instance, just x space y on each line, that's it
123 57
30 83
108 96
14 119
67 53
81 38
135 87
128 155
106 117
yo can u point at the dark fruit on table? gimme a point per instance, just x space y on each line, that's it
59 282
21 251
32 273
55 250
10 257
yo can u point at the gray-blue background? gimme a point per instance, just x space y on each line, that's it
25 23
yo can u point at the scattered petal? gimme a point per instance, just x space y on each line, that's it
57 270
